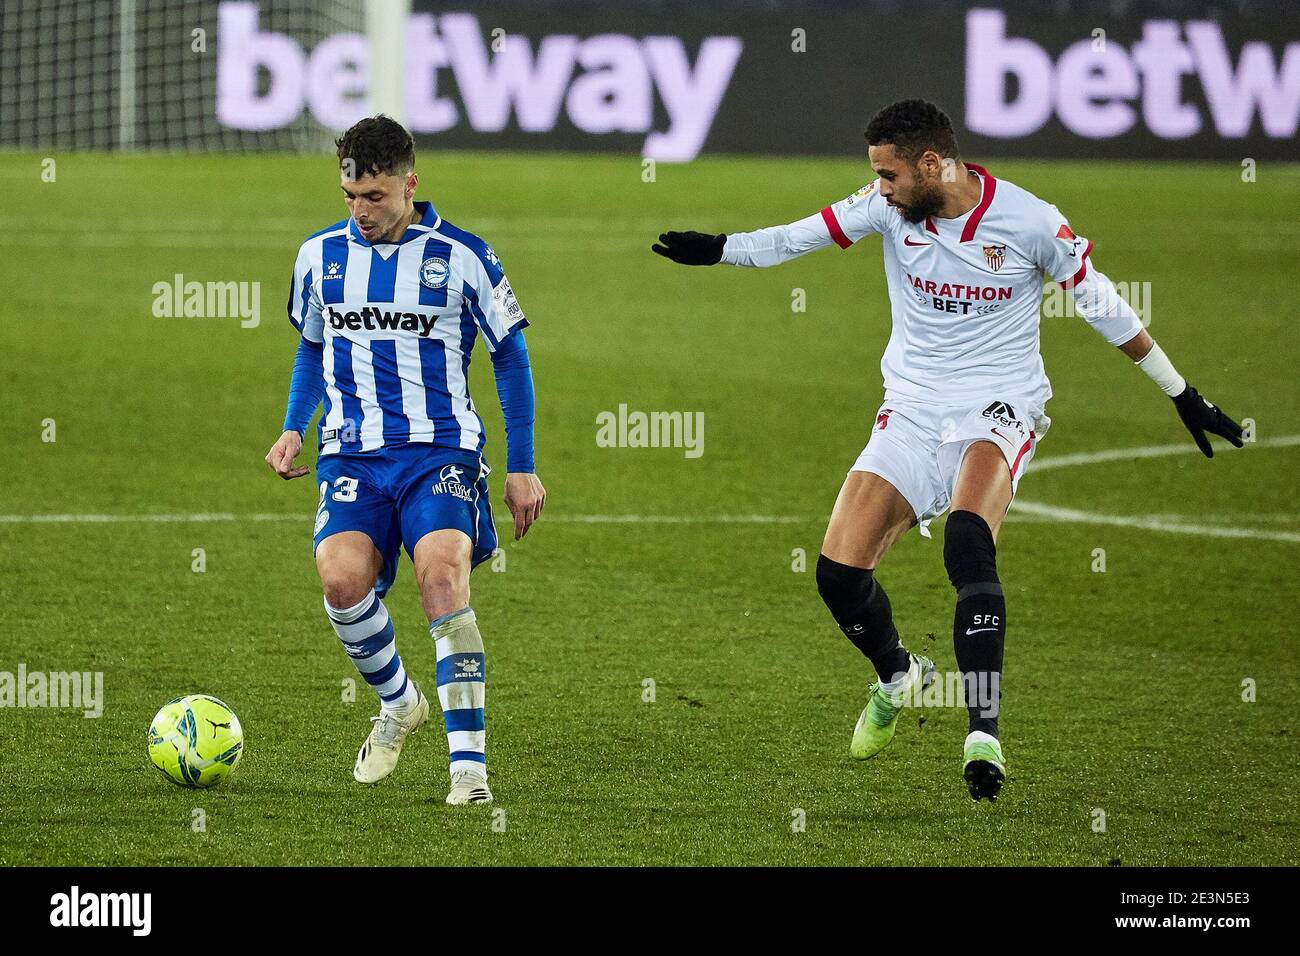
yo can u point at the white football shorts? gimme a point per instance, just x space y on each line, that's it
919 448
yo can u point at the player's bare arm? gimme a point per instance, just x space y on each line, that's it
1198 414
1097 300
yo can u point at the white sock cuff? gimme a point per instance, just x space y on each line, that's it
450 623
456 634
349 614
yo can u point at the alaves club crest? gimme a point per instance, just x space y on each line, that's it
433 273
995 256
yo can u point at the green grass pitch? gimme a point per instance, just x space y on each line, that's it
1124 688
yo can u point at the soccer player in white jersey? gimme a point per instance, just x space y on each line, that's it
966 255
389 303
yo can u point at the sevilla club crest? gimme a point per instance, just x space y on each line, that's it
995 256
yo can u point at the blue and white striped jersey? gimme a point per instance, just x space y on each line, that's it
398 322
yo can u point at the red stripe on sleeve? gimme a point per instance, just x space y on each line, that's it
832 224
1078 277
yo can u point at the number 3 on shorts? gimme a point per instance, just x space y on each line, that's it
345 489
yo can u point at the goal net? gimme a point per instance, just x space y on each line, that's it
144 74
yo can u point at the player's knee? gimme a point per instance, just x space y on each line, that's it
348 566
343 591
843 589
345 582
969 553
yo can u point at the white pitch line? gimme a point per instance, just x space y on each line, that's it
1074 516
1150 451
678 519
146 518
305 517
1021 509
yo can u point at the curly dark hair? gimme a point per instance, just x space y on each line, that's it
375 145
912 127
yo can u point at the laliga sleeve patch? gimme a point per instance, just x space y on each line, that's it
862 193
503 297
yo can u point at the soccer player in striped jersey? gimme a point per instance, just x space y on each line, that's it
965 255
389 303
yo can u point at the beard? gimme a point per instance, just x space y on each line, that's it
384 229
924 203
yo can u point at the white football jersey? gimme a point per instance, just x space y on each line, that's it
964 292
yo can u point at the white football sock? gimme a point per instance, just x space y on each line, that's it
366 632
461 689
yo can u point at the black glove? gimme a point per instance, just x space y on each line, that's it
691 248
1200 417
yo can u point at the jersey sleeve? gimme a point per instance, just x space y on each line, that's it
857 216
1066 257
1062 255
843 223
304 307
492 302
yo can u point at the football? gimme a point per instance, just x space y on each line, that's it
196 741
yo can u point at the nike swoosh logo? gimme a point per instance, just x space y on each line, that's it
999 434
907 241
981 630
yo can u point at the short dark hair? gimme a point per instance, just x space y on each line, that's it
377 144
912 127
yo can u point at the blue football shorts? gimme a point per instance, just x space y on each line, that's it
396 496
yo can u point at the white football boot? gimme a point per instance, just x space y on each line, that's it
378 755
468 787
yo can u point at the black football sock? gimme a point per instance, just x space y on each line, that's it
980 623
861 609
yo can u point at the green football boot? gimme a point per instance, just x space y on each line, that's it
879 718
983 766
